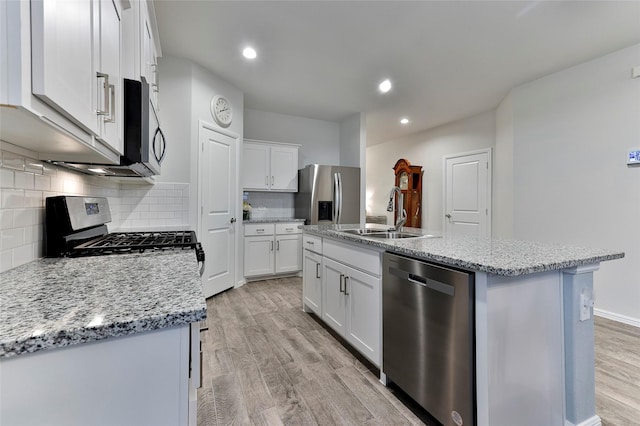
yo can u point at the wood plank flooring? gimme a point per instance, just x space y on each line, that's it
617 373
265 362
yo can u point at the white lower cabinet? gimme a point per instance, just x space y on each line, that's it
347 293
271 249
148 378
352 306
312 282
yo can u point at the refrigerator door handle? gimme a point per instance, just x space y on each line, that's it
336 197
340 197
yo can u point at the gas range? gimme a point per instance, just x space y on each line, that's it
76 226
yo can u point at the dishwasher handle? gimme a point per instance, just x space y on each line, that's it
424 282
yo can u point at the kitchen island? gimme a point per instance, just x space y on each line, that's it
101 339
534 350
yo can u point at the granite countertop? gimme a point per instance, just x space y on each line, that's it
51 303
272 220
495 256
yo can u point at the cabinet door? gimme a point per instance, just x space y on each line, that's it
63 74
255 167
149 58
334 303
364 300
108 62
312 282
288 253
258 256
284 168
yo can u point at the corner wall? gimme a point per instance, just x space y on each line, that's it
571 134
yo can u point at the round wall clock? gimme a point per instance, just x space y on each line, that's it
221 110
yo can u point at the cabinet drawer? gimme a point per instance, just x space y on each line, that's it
355 256
312 243
259 229
288 228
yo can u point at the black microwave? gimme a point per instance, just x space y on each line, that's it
144 141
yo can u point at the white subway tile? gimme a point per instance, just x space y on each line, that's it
23 254
33 199
24 180
11 198
12 161
6 178
42 183
24 217
33 234
33 166
48 169
6 260
11 238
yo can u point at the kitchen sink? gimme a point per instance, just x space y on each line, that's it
382 234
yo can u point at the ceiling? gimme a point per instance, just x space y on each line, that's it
446 59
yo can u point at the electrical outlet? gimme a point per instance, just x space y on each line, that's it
586 304
635 72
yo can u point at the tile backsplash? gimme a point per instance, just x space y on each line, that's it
271 204
25 183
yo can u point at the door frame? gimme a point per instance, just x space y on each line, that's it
446 157
237 240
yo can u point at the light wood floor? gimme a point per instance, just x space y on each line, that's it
265 362
617 373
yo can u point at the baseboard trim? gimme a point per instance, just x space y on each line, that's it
592 421
617 317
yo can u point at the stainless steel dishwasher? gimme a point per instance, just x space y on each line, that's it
429 336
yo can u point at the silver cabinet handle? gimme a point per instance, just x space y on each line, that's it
271 245
317 270
272 180
289 229
112 105
259 230
346 290
266 180
278 245
310 242
105 110
342 290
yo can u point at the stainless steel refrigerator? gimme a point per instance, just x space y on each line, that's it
328 194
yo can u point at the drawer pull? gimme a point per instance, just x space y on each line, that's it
289 229
259 230
310 242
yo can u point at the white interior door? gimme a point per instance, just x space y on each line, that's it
467 193
217 191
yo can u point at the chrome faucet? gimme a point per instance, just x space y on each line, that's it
402 215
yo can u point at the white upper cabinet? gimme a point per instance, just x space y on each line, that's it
76 63
62 65
269 166
62 54
107 49
149 52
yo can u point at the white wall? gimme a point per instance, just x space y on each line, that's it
571 133
424 149
502 179
320 139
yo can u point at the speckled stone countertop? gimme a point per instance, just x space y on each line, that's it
52 303
495 256
273 220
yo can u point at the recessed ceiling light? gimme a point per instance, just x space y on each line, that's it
385 86
404 120
249 53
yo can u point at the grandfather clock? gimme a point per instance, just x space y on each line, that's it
409 180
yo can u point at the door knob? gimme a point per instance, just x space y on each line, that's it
448 216
233 220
